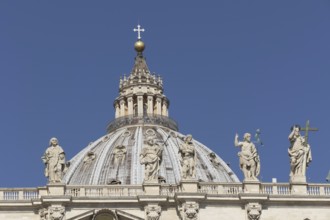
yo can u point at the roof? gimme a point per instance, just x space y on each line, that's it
97 163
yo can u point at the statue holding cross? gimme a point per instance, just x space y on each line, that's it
299 152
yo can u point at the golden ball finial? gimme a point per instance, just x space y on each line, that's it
139 46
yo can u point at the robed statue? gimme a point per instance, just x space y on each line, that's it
248 158
299 153
54 160
151 157
188 156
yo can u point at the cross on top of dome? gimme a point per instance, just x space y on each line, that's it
139 30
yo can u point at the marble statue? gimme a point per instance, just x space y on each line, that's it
89 158
187 154
215 161
299 153
151 157
119 154
54 159
248 157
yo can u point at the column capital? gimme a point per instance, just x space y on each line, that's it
122 101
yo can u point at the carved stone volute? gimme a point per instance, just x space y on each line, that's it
43 213
190 211
57 212
253 211
153 212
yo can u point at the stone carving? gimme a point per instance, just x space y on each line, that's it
299 153
43 213
190 211
90 156
119 154
54 159
187 158
151 157
248 158
150 132
153 212
253 211
215 161
56 212
106 138
114 182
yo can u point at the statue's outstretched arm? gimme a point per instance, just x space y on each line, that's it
236 142
292 133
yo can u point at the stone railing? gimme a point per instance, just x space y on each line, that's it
142 119
275 188
18 193
169 190
318 189
266 188
233 189
221 188
104 191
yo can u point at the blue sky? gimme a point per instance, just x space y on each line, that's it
228 66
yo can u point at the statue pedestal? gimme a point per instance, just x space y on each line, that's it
56 189
251 186
151 188
189 185
298 179
298 185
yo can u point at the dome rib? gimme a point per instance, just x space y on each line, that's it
100 159
101 168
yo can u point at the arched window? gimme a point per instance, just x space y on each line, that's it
104 214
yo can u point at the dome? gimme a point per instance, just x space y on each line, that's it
141 112
96 164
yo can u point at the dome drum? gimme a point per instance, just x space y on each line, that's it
139 119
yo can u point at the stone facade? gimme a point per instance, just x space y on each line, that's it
214 201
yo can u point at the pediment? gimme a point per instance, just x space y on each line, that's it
105 214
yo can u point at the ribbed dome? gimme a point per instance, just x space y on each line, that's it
141 112
96 164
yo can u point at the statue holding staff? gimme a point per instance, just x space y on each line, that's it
248 157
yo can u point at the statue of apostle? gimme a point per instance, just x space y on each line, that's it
188 155
299 153
119 154
151 157
248 158
54 159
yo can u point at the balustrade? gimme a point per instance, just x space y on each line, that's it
169 190
19 194
165 189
